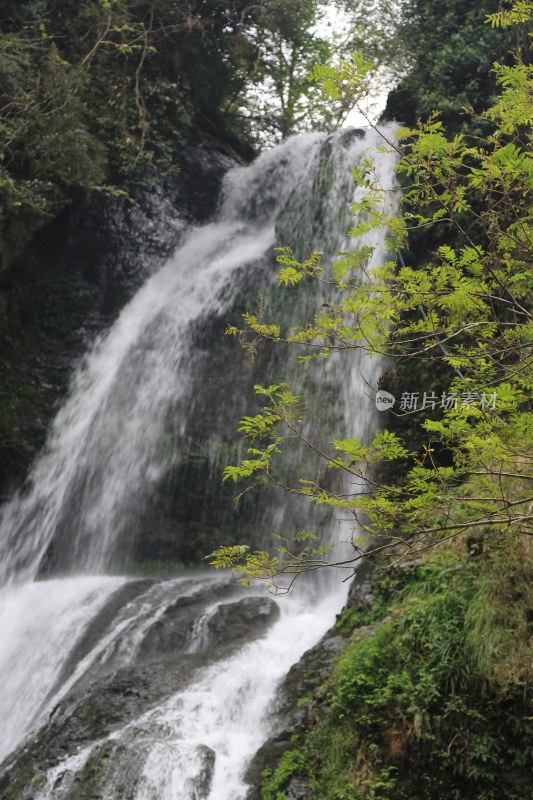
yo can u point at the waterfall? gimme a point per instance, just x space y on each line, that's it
103 463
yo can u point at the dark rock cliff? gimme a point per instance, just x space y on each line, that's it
71 282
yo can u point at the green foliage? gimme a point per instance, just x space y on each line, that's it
432 701
429 698
293 43
290 763
467 307
450 51
288 45
94 93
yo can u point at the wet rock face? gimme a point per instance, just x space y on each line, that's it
72 280
183 628
232 622
297 790
114 697
122 769
116 241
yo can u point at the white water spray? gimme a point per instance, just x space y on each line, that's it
39 623
101 464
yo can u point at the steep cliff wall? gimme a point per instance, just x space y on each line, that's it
70 282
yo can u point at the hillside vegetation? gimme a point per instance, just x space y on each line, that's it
431 696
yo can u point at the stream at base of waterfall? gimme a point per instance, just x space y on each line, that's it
195 659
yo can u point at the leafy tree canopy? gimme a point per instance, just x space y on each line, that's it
467 307
94 92
448 50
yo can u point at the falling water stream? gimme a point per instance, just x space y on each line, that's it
100 466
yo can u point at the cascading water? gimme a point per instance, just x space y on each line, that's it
101 465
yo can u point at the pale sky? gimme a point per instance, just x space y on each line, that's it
338 23
374 107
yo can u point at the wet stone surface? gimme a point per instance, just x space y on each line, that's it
117 700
